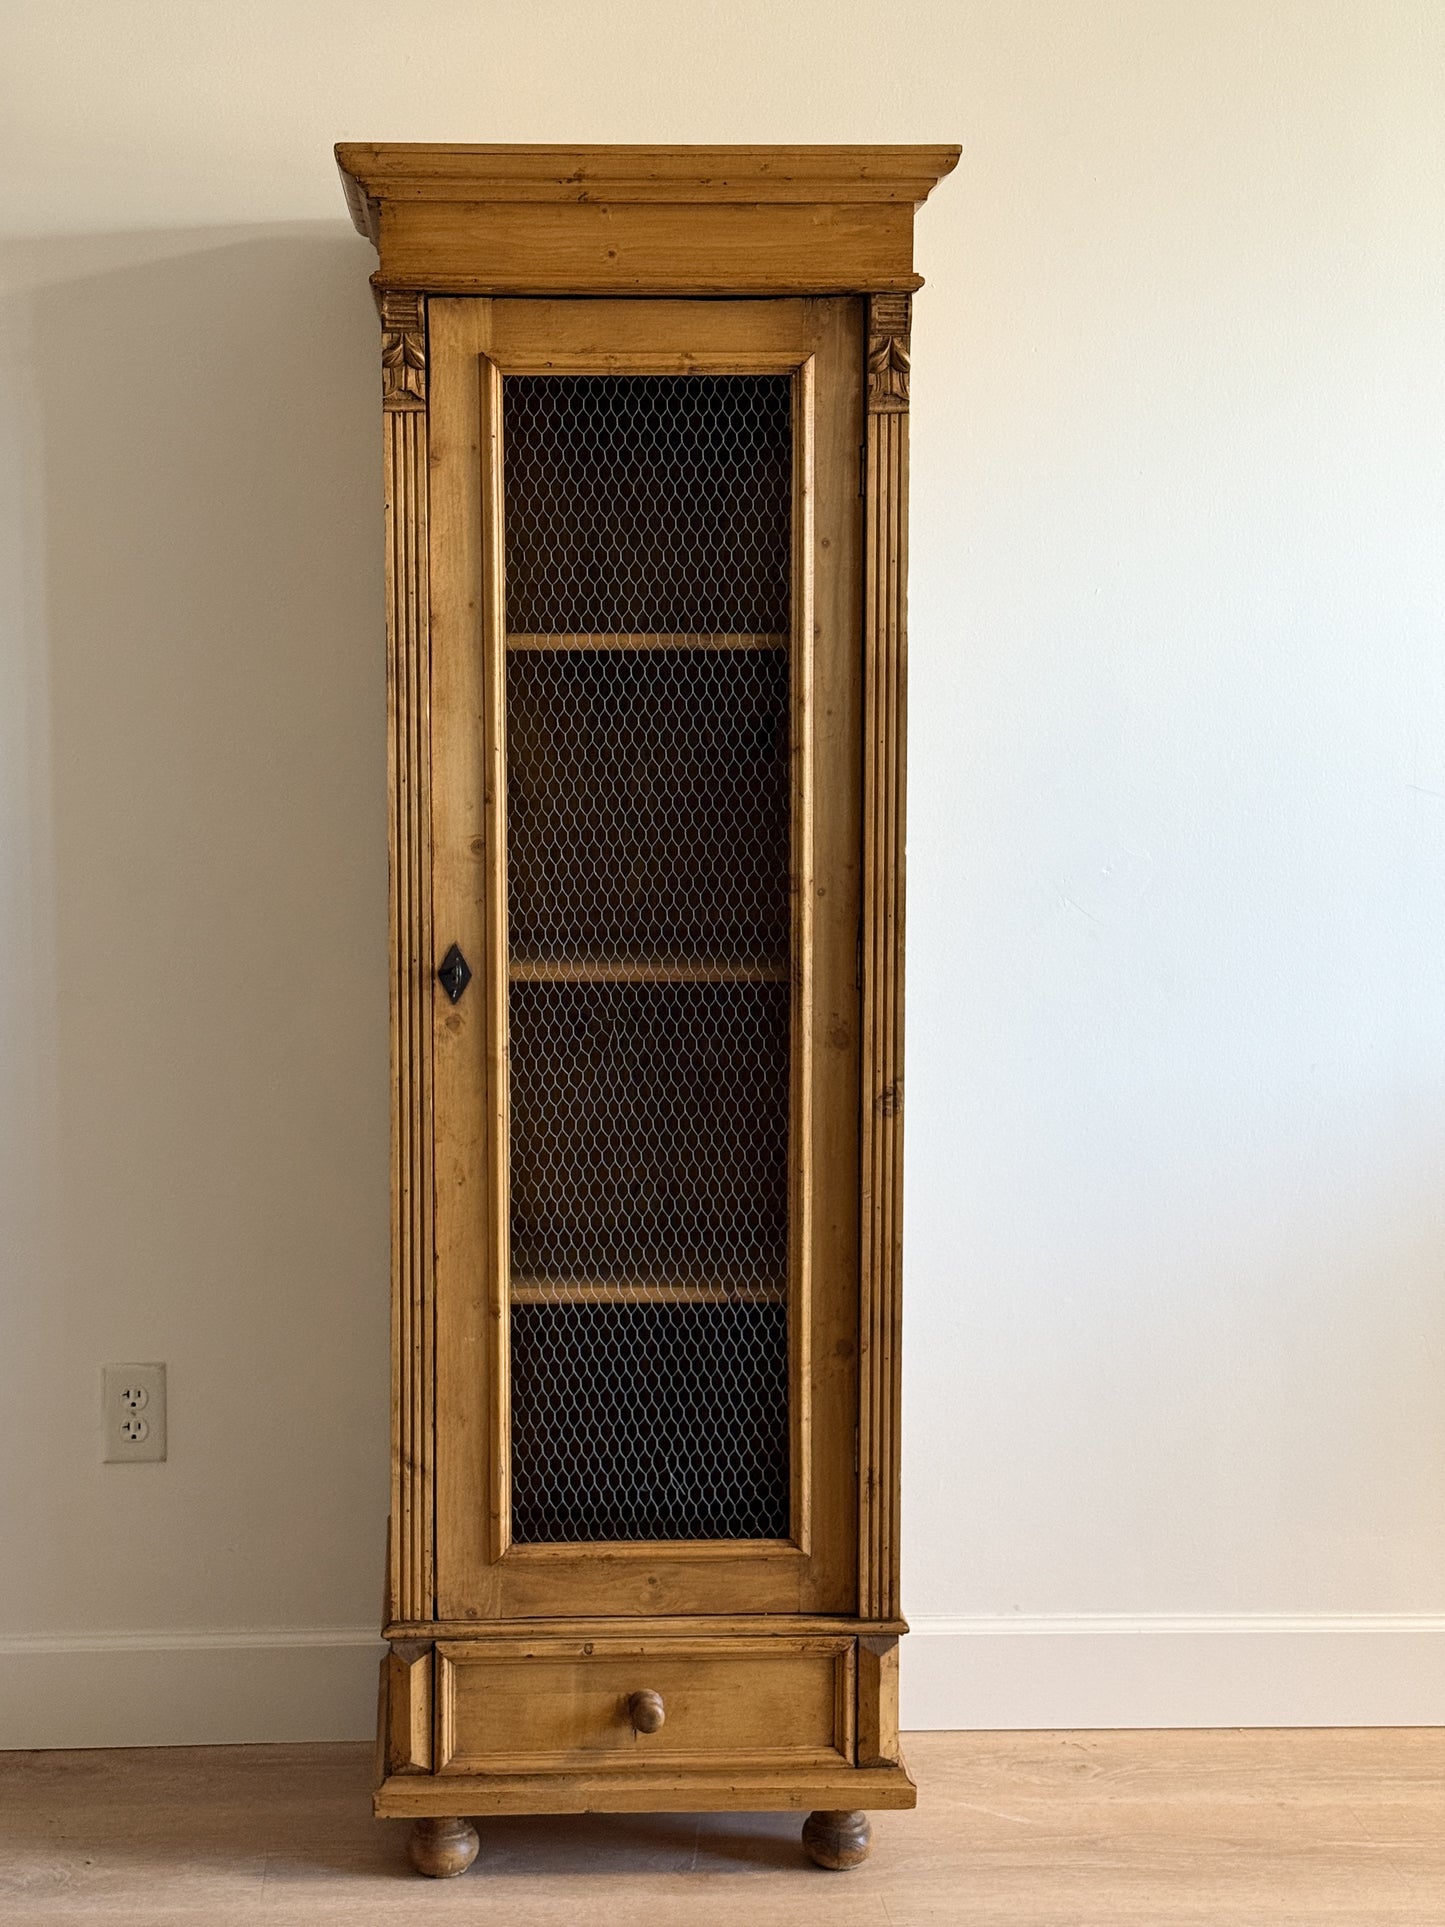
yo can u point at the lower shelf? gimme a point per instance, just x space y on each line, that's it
647 1291
416 1796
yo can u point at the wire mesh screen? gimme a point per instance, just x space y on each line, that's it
657 504
647 806
681 1408
650 1135
647 541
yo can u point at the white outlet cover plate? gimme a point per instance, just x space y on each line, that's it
133 1407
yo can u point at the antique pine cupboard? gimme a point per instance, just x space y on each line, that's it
646 447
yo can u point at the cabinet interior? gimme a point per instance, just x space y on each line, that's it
647 541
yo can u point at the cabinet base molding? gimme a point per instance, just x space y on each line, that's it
654 1625
415 1796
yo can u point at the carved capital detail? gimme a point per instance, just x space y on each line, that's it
888 366
403 350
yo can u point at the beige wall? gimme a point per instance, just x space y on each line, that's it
1176 1420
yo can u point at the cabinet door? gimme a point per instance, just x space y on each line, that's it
646 750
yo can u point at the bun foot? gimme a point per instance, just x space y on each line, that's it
837 1841
441 1849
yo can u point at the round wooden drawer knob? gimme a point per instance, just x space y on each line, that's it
647 1710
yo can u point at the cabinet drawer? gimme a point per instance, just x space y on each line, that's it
534 1705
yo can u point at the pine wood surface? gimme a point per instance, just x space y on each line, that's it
576 248
542 1704
442 1849
738 1786
404 442
877 1736
612 639
838 1841
515 171
481 1573
885 650
1235 1829
580 220
663 221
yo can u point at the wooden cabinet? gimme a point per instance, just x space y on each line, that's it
646 462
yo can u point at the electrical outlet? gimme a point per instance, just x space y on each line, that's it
133 1402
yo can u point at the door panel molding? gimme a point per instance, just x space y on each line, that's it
481 1574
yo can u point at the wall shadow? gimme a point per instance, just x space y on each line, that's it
207 741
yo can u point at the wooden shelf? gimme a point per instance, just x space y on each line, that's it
618 640
644 970
646 1291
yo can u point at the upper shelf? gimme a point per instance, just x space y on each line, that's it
640 220
647 970
619 639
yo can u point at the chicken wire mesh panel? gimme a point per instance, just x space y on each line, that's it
648 531
650 504
682 1409
647 805
649 1138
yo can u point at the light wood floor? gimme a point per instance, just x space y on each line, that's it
1012 1830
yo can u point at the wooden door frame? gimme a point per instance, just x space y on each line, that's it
479 1575
881 952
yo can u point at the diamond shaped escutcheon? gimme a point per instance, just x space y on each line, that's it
455 974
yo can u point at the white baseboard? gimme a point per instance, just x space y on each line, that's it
189 1688
994 1673
1175 1669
